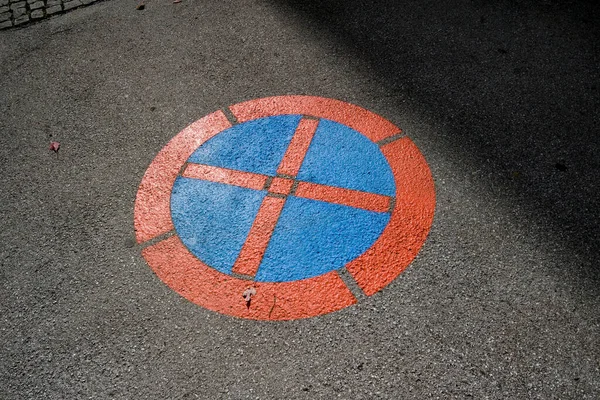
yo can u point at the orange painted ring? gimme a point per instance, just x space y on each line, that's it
392 252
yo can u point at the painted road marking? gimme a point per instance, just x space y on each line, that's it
299 189
332 235
254 247
294 155
281 185
227 176
348 197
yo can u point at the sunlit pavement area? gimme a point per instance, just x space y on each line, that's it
501 99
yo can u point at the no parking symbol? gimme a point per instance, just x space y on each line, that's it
281 198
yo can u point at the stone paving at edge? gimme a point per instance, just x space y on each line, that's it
19 12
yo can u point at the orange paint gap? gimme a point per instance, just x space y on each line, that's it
409 224
228 176
255 246
152 215
366 122
294 155
347 197
281 185
211 289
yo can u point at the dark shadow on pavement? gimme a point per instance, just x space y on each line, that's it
517 85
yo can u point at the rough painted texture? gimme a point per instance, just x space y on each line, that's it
230 177
254 248
152 215
256 146
315 237
209 288
347 197
281 185
296 151
369 124
342 157
410 223
317 233
213 219
24 11
284 200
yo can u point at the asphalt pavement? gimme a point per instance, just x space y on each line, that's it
502 100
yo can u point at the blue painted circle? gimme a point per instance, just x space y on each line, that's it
311 237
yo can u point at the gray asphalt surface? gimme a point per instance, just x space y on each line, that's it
502 99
